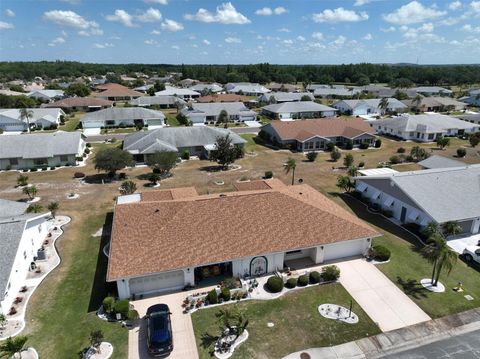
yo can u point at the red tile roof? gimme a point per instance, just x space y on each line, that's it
80 102
117 90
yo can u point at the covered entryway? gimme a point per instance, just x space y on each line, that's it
344 249
157 283
213 273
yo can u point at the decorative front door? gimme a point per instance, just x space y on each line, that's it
258 266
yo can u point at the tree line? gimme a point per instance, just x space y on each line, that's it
262 73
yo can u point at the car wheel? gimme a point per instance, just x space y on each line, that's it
468 257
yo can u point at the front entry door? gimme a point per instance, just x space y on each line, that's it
403 215
258 266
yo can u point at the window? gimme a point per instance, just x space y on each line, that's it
63 158
293 252
13 161
430 136
40 161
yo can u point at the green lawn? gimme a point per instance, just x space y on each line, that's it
298 325
119 130
250 145
172 120
72 122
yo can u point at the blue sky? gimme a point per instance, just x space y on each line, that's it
241 31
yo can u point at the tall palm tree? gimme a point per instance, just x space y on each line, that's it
431 229
440 255
290 165
383 105
31 192
451 228
13 346
34 208
53 208
26 114
446 259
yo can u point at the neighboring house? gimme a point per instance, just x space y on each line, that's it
21 240
314 135
161 101
436 161
117 92
207 113
40 150
371 106
11 120
278 97
143 89
435 104
423 128
313 87
298 110
123 116
183 93
378 90
472 100
187 82
336 92
474 92
246 88
206 88
46 95
226 97
432 91
84 104
283 87
165 240
197 140
425 196
7 92
470 117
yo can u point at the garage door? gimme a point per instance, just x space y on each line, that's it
344 249
157 283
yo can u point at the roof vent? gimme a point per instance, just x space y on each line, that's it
223 195
300 192
157 210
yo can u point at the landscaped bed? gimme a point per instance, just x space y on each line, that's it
297 323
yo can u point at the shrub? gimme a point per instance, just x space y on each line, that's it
230 283
401 150
89 144
79 175
212 297
394 160
52 168
132 314
87 150
275 284
349 145
314 277
409 158
461 152
330 273
79 158
312 156
378 143
291 283
364 145
225 294
122 307
303 280
329 146
380 253
268 174
185 155
361 164
108 303
33 170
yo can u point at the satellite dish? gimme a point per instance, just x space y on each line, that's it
300 180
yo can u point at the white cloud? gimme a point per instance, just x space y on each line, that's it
449 21
122 17
266 11
283 29
389 29
57 41
225 14
233 40
288 42
151 15
368 37
340 15
340 40
72 2
455 5
161 2
150 42
9 13
300 38
103 46
475 6
5 25
204 53
171 25
361 2
175 47
72 19
470 28
317 36
206 42
413 12
155 32
279 10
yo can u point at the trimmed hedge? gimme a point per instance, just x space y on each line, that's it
268 174
275 284
122 307
212 297
225 294
108 303
314 277
303 280
291 283
381 253
330 273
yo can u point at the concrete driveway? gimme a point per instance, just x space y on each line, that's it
382 300
460 243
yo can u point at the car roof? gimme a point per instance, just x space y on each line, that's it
472 248
158 308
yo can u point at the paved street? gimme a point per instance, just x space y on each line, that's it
465 346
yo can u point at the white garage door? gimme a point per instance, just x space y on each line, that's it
157 283
344 249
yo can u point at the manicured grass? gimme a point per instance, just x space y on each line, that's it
72 122
250 145
119 130
298 325
172 120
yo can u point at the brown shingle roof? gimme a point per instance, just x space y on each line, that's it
326 127
117 90
223 98
169 194
256 185
80 102
152 237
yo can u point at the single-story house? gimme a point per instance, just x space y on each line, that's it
84 104
143 88
117 92
378 91
197 140
204 88
21 240
314 135
278 97
40 150
225 97
246 88
298 110
7 92
184 94
370 106
472 100
123 116
434 195
424 127
161 101
165 240
436 161
470 117
11 120
474 92
204 113
436 104
46 95
432 91
187 82
313 87
283 87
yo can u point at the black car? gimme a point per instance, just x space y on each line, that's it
159 331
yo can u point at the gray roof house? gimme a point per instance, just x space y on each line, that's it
369 106
424 127
162 101
436 161
40 150
11 121
433 195
198 140
246 88
285 97
46 95
298 110
183 93
204 113
433 91
123 116
470 117
21 236
472 100
214 88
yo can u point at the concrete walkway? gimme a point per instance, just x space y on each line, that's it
382 300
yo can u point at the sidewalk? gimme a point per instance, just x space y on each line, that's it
399 340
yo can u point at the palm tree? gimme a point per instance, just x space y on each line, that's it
34 208
417 100
451 228
26 114
13 346
128 187
446 259
31 192
383 105
22 180
440 255
431 229
96 338
53 208
290 165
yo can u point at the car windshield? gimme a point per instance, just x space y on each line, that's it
159 329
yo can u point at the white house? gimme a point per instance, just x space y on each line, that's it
123 116
246 88
46 95
433 195
432 91
370 106
183 93
278 97
298 110
204 113
161 101
164 240
204 88
11 119
21 238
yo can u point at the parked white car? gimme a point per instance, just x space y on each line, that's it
472 253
